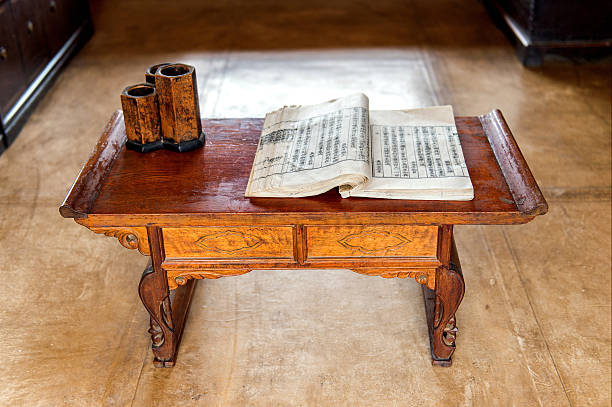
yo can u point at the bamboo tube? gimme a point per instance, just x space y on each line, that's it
150 73
179 107
141 116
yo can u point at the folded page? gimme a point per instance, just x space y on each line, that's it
415 154
307 150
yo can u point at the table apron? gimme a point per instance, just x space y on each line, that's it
179 271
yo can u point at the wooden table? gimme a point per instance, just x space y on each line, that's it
188 213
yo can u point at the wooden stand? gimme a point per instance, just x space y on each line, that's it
210 230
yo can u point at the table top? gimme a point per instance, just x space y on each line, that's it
120 186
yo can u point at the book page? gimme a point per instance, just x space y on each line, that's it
416 154
307 150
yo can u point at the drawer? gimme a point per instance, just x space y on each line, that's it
61 18
27 19
371 241
229 242
12 77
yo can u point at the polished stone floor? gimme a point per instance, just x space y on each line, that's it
535 321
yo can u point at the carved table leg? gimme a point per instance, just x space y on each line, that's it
166 326
441 305
157 302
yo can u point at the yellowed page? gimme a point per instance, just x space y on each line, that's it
415 154
307 150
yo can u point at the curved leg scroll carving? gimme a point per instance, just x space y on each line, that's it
167 316
440 307
177 278
129 237
157 335
449 293
159 308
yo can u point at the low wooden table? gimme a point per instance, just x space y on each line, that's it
188 213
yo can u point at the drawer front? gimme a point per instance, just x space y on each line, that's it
61 18
12 76
229 242
27 19
371 241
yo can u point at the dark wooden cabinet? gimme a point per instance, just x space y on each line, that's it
37 37
61 20
541 26
12 79
27 22
2 138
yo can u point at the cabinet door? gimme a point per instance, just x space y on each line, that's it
12 79
27 19
61 18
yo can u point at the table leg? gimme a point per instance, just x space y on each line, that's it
167 317
440 308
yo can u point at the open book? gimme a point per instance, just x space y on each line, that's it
398 154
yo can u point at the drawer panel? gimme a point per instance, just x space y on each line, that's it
12 76
229 242
27 18
371 241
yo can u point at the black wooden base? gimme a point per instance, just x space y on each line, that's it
185 145
144 148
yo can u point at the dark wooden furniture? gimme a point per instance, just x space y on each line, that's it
37 37
189 214
570 27
2 139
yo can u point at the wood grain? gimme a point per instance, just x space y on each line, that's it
180 308
371 241
208 229
129 237
155 296
151 71
207 186
179 106
79 200
180 274
235 242
141 113
442 304
522 184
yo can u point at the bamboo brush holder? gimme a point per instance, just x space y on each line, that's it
179 107
141 116
150 73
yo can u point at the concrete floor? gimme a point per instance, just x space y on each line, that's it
535 321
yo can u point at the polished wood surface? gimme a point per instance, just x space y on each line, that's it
527 195
207 185
200 225
271 337
235 242
371 241
87 185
